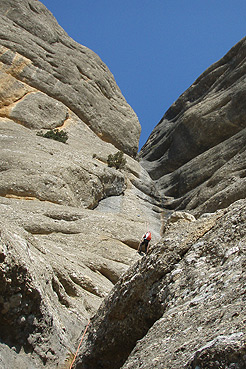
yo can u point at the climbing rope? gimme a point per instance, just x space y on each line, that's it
80 344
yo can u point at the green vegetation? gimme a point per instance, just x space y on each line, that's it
117 160
55 134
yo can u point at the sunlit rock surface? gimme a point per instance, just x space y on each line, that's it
182 306
70 225
45 76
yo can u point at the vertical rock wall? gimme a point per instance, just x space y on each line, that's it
70 224
38 56
196 153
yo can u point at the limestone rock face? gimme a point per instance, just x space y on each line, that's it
45 75
180 307
70 225
57 263
197 153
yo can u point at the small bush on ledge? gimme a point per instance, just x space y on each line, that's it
117 160
55 134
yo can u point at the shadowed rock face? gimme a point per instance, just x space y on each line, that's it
197 153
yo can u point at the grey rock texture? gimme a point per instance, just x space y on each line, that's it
36 55
57 263
197 153
69 224
37 110
180 307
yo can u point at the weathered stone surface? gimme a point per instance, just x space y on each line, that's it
47 170
37 110
76 257
70 225
177 216
224 351
197 151
182 305
31 317
37 55
48 193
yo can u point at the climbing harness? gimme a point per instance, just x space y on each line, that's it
80 344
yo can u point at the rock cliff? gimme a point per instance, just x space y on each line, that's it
180 307
70 224
46 76
183 305
197 152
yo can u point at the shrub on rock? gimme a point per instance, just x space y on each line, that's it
55 134
117 160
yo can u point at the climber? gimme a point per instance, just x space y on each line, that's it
145 242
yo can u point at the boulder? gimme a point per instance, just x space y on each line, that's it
177 216
39 111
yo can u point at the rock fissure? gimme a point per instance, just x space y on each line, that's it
18 99
24 197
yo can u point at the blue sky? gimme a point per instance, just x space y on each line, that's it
154 48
